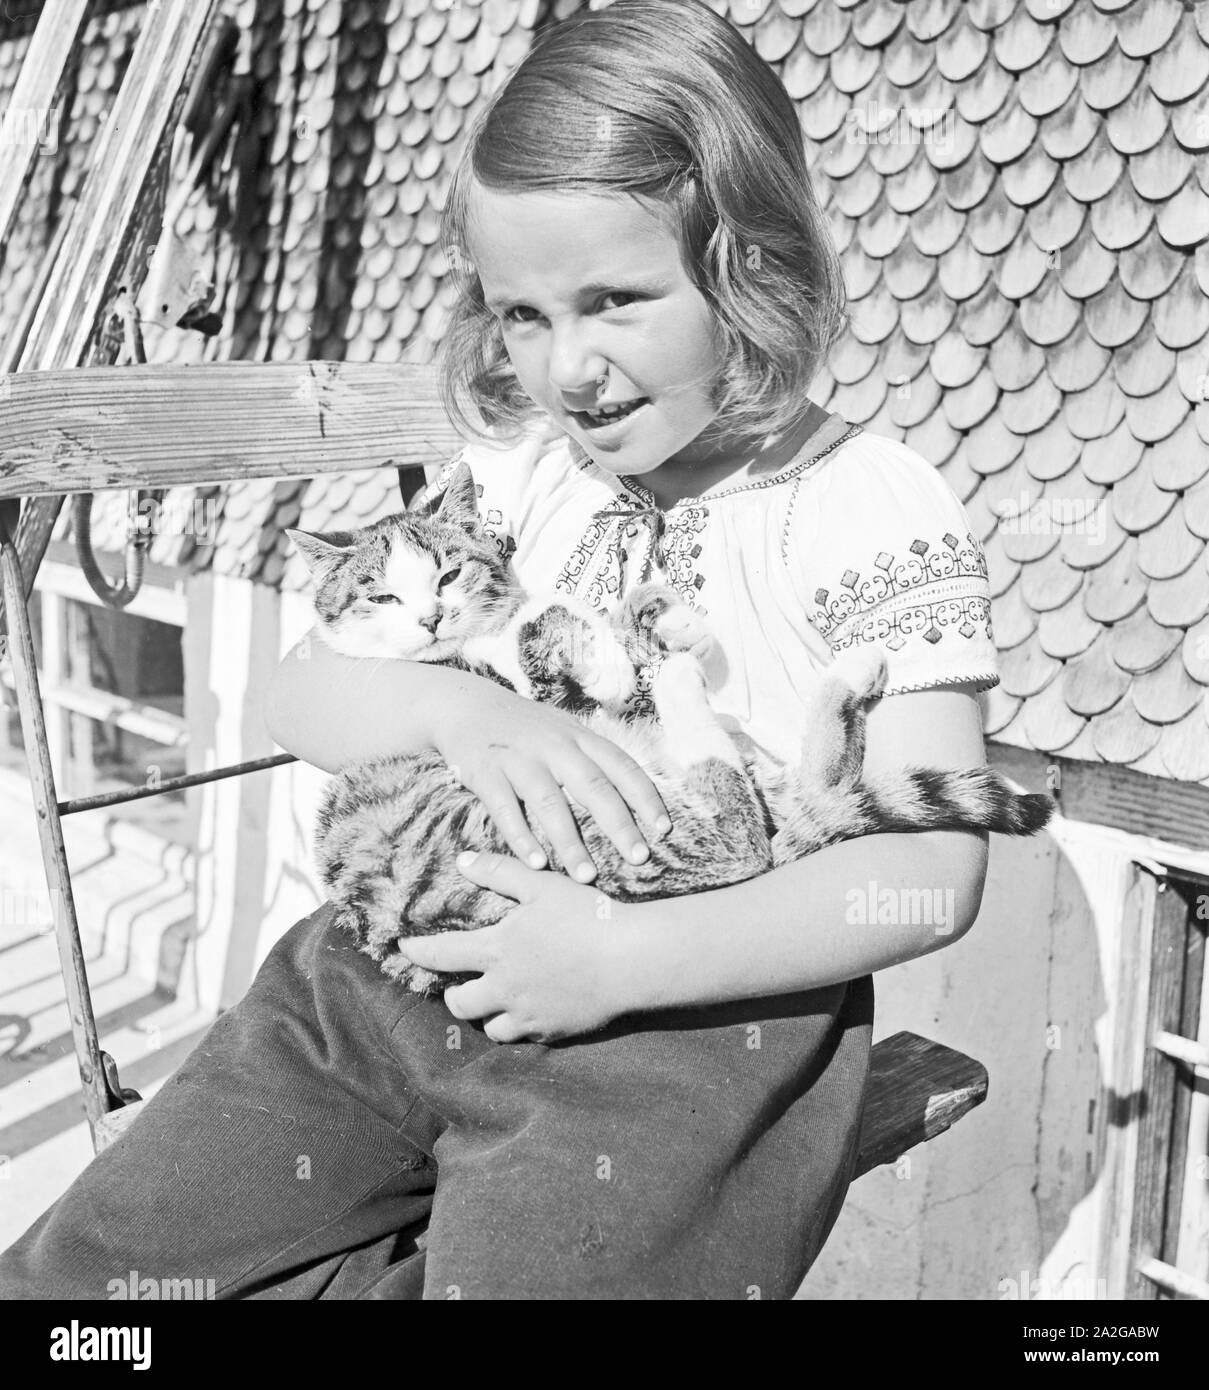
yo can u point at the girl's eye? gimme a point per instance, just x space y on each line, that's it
619 299
449 576
520 313
385 598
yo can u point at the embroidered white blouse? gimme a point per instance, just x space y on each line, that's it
857 539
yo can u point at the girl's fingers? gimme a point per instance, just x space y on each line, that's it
474 999
501 873
632 782
546 802
501 804
591 787
503 1028
452 951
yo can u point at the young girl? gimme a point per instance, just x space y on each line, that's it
647 1101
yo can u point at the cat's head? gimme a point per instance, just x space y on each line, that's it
415 585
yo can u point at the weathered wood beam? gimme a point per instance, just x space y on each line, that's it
32 99
95 428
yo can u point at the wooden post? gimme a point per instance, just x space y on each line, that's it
18 334
50 831
58 26
1173 1011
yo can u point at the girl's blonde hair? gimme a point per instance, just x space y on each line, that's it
663 99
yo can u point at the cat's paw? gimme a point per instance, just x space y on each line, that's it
679 684
864 671
666 624
609 687
681 629
606 673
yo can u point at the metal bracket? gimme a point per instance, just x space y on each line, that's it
119 1094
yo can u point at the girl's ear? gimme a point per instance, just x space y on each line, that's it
321 553
460 505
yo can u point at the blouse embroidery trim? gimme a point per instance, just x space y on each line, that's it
597 567
931 592
593 571
985 680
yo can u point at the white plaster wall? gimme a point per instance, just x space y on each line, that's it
958 1214
1011 1197
292 889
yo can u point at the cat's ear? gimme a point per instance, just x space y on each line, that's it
321 553
460 505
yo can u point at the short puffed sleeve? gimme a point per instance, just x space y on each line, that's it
881 551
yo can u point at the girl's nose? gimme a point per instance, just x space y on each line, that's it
576 369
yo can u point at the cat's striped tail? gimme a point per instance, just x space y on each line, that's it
974 799
910 801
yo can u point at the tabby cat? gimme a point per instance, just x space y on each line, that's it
433 587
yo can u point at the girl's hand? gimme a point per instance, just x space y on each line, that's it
555 966
511 752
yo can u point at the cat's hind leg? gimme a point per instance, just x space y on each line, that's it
692 731
833 745
713 767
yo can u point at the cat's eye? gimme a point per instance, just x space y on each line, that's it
385 598
449 576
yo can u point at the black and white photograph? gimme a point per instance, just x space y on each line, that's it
604 644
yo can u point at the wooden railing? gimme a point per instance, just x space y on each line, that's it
95 428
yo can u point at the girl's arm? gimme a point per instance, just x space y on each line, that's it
332 710
846 911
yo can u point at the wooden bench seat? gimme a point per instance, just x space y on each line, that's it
917 1090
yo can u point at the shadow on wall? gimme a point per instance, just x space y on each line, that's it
1006 1192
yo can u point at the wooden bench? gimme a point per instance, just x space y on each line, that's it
917 1090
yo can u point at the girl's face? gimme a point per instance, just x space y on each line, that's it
602 322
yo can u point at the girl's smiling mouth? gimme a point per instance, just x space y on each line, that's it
608 414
